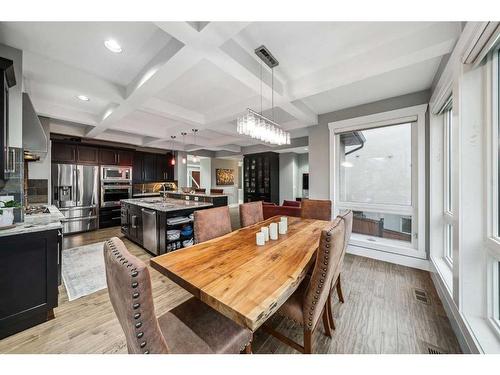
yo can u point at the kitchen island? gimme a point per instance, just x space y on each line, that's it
159 225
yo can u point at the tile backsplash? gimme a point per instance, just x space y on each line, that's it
38 190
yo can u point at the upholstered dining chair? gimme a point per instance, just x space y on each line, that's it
251 213
316 209
216 191
191 327
200 191
347 217
211 223
309 302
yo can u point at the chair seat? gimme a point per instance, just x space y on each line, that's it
194 327
293 308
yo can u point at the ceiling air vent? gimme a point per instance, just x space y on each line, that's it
266 56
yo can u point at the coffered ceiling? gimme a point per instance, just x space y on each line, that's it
172 77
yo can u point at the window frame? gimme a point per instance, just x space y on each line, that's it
416 116
492 242
448 222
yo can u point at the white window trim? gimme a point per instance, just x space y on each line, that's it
415 114
492 242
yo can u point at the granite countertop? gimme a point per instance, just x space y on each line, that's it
198 194
36 223
166 205
157 194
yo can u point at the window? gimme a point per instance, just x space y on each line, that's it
378 172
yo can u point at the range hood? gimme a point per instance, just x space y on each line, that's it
34 137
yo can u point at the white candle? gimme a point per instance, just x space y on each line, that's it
282 227
265 231
273 231
259 237
285 220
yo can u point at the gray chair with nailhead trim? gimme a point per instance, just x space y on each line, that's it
191 327
347 217
309 302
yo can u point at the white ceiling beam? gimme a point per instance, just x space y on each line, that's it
50 109
428 43
175 112
170 63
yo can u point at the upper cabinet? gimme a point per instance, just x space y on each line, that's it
87 154
63 152
148 167
67 152
108 157
149 171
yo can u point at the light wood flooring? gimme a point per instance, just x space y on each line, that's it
380 314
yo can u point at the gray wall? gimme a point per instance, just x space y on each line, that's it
319 147
231 191
288 176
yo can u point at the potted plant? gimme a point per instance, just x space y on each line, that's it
7 212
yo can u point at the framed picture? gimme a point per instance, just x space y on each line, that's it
224 176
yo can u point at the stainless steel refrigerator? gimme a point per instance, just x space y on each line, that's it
75 191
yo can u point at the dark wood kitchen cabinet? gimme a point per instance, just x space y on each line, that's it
137 161
125 158
87 155
149 168
108 157
29 279
63 152
163 170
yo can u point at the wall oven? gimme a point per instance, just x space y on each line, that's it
112 192
116 174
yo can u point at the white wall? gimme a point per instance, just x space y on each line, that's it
288 176
180 170
302 167
231 191
206 173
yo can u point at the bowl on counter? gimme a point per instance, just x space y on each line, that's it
173 234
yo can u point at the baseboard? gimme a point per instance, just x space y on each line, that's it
403 260
458 323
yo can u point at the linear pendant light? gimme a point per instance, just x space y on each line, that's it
256 125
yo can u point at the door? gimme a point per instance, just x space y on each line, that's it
196 178
64 185
87 185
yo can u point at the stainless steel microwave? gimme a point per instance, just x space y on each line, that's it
115 174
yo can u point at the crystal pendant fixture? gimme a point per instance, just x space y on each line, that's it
258 126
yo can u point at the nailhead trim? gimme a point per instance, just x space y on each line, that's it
133 273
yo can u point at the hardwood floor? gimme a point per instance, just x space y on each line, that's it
380 314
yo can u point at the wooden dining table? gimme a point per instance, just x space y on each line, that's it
243 281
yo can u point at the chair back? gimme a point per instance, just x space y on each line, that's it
328 257
211 223
216 191
200 191
129 288
347 218
316 209
251 213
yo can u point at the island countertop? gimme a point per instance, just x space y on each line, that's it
166 205
196 194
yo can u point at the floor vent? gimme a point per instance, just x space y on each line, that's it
421 296
431 349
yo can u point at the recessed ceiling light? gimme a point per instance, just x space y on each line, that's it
83 98
113 45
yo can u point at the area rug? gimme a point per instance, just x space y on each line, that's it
83 271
